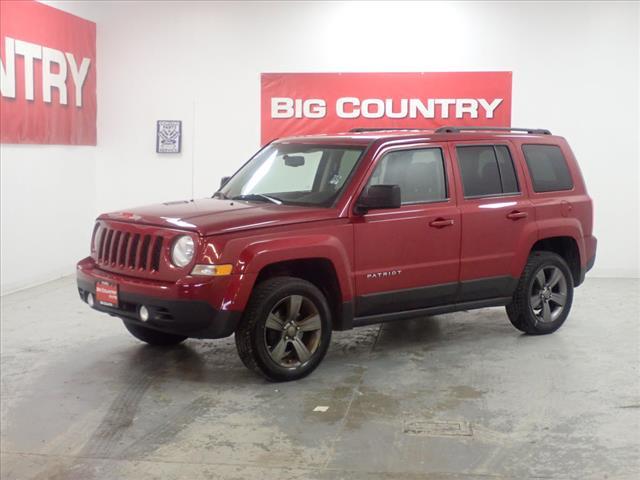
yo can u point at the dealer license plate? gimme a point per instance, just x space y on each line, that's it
107 293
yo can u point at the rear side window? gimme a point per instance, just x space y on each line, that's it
419 173
548 168
487 170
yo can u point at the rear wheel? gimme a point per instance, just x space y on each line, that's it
285 330
543 298
153 337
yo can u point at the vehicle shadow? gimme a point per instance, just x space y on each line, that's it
434 331
216 361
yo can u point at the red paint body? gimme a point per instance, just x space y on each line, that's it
489 237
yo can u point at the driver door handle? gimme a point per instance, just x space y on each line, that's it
441 222
516 215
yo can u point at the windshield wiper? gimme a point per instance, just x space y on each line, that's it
259 197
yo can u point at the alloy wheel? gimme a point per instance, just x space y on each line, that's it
548 294
293 331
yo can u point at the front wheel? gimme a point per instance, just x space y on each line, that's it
285 330
543 298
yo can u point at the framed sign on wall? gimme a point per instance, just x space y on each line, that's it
169 136
312 103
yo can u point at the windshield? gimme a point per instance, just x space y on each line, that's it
293 174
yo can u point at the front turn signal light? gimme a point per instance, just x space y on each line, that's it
212 270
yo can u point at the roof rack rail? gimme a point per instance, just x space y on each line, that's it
533 131
377 129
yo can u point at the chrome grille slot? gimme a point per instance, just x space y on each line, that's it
95 237
113 251
133 250
107 247
144 252
100 244
122 250
157 250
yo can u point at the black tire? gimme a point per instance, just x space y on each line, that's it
527 311
253 335
153 337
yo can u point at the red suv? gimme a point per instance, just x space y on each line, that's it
330 232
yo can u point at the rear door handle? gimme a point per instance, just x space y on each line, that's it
516 215
441 222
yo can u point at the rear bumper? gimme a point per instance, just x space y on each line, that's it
182 310
591 245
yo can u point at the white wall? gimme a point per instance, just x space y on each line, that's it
47 207
48 204
575 71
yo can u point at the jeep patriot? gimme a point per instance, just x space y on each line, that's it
330 232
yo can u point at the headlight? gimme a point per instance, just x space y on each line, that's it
182 251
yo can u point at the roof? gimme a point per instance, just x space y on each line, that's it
366 136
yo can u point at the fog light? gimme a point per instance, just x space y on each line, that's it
90 300
143 313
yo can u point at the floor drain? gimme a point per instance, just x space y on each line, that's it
448 429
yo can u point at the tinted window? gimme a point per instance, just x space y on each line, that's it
507 172
486 170
547 167
419 173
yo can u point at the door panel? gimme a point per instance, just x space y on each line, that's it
493 230
490 239
398 252
407 258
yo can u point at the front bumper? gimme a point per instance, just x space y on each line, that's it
179 309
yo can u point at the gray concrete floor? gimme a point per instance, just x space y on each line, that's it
454 396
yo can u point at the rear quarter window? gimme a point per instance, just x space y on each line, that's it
548 168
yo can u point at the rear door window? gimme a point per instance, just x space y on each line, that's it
548 168
486 170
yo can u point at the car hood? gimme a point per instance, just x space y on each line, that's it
210 216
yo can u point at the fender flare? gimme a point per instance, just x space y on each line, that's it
552 228
261 253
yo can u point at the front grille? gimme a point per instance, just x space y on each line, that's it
135 251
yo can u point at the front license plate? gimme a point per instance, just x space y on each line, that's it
107 293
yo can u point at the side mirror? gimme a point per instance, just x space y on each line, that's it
224 181
379 196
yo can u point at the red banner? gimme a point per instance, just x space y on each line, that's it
310 103
48 76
